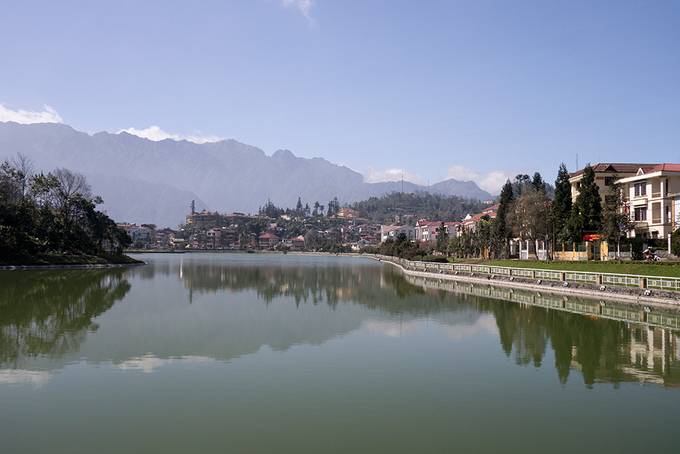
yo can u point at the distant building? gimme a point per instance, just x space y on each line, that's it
427 231
392 231
163 238
143 236
298 243
347 213
268 240
204 219
471 221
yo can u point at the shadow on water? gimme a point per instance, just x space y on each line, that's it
49 314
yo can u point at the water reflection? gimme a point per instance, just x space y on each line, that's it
48 313
196 309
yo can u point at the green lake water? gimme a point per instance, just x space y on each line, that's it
261 353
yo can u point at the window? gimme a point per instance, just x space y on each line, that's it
640 189
608 181
641 214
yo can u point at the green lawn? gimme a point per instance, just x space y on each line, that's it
645 269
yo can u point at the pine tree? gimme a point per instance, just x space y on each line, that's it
538 183
298 207
442 238
561 207
586 213
501 231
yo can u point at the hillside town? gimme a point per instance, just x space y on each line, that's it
601 212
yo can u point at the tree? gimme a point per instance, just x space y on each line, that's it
586 213
298 207
52 213
333 207
501 232
615 223
537 183
24 172
521 182
529 215
315 212
442 238
561 206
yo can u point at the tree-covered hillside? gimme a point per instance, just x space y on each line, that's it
394 207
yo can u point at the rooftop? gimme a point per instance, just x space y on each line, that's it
615 167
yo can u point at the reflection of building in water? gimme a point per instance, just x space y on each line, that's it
653 352
650 356
605 341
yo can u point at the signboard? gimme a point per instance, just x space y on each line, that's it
591 236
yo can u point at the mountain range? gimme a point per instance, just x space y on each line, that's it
155 181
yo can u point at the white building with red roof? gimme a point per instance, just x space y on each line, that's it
427 231
471 221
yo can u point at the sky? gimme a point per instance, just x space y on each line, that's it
475 90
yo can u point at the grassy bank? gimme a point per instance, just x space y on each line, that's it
640 268
67 259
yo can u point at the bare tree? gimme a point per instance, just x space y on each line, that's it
529 215
24 171
71 185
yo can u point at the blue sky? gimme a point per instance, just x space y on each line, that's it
476 90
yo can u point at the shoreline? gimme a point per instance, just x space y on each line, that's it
68 266
52 261
588 293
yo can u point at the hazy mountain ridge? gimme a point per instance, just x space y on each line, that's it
146 181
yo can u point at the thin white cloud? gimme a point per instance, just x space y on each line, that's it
377 176
36 378
490 181
149 363
47 115
156 134
303 6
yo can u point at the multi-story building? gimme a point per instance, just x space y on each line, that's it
427 231
606 173
471 221
268 240
392 231
652 198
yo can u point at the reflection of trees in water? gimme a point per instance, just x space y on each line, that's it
49 312
599 348
303 284
597 345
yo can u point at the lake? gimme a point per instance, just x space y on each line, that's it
311 354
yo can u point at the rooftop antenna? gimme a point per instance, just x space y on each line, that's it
576 161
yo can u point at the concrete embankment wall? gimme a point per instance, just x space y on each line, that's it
540 281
